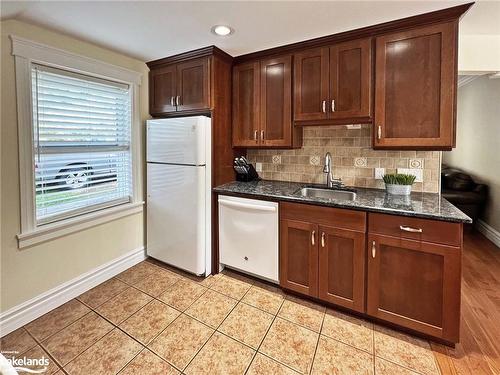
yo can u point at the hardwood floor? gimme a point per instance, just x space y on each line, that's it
479 349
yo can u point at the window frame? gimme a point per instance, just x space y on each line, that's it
26 53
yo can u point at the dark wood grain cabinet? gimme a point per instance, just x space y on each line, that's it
262 104
333 84
415 88
180 87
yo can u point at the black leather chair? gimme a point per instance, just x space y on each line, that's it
460 189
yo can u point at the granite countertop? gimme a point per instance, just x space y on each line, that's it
423 205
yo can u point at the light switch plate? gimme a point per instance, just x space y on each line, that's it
379 173
416 172
258 167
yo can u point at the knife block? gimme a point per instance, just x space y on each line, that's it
252 175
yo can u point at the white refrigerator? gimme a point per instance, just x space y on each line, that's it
179 192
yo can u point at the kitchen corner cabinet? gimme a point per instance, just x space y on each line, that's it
333 84
322 253
179 87
413 282
262 104
415 88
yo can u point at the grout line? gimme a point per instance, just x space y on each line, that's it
317 342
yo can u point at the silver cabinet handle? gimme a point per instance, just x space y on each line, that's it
262 135
323 106
379 132
323 239
177 100
374 249
255 135
172 101
333 105
313 237
410 229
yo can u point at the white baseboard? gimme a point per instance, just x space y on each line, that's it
489 232
24 313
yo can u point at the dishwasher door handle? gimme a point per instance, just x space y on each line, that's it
246 205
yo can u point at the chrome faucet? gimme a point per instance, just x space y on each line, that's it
330 181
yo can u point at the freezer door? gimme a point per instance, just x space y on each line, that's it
176 216
178 140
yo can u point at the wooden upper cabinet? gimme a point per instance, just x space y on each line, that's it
342 267
193 85
415 88
246 104
415 284
276 101
311 85
299 257
162 90
350 79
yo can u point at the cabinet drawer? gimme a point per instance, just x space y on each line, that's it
416 229
334 217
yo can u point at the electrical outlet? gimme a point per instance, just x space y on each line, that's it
418 173
258 167
379 173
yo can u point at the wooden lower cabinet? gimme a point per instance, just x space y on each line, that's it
415 284
299 257
342 267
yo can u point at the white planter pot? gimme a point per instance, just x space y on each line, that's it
398 189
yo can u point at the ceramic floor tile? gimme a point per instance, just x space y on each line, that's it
263 299
102 293
231 287
304 313
108 356
290 344
37 353
149 321
148 363
123 305
56 319
17 341
334 357
383 367
182 294
157 283
181 340
211 308
262 365
247 324
348 329
136 273
67 344
221 355
405 350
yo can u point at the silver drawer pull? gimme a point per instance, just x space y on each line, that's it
323 239
313 237
374 249
410 229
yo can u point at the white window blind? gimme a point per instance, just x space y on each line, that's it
81 131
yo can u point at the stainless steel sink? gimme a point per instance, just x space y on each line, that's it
327 194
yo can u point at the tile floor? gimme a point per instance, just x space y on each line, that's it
151 319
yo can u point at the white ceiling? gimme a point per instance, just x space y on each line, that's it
149 30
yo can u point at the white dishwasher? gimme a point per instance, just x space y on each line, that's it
248 236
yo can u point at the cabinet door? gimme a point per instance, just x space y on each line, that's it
350 79
246 104
193 85
276 101
299 257
415 88
415 284
342 267
162 90
311 85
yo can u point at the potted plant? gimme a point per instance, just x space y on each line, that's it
398 183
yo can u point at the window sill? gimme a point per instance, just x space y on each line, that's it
68 226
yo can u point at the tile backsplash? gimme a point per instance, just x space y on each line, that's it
354 161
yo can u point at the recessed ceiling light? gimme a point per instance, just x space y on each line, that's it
222 30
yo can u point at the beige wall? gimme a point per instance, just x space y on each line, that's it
349 148
29 272
478 139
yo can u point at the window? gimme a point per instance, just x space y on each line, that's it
79 137
81 140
